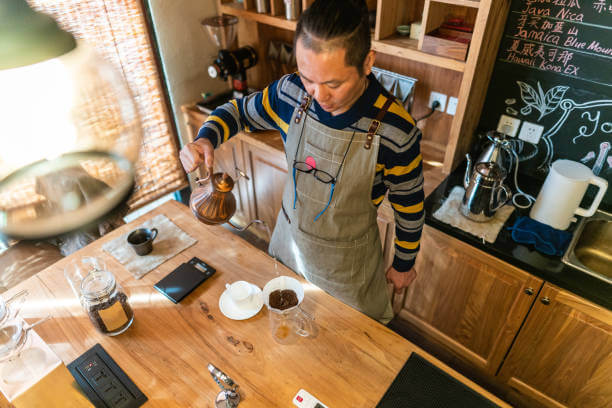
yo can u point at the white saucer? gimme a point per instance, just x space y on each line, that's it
231 311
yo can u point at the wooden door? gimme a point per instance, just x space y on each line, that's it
562 356
267 169
466 300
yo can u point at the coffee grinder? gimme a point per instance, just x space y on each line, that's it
229 63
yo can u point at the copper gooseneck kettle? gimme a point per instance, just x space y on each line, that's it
212 201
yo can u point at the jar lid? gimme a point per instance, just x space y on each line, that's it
223 182
97 284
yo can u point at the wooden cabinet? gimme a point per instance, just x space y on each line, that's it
562 356
540 345
470 302
267 170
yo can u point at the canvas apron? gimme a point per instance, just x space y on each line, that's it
340 252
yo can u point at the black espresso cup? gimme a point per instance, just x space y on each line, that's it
141 240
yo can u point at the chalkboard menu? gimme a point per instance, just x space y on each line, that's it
554 69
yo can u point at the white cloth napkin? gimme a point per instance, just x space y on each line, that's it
450 213
170 241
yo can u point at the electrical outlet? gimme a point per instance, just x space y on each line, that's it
508 125
531 132
440 97
451 109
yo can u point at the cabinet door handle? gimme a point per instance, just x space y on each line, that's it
545 300
529 291
240 173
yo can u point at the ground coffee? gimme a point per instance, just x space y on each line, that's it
283 299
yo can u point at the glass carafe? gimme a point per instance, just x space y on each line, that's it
14 336
101 296
288 321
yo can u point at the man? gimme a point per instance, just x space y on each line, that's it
347 142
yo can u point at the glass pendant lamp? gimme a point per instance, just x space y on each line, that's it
69 129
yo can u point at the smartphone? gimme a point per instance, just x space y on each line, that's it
183 280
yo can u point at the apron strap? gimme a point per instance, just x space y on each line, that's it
376 123
303 108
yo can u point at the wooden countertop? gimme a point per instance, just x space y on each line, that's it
167 348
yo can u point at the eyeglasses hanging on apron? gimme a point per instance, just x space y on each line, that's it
309 166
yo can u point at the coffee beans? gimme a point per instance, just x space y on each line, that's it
112 315
283 299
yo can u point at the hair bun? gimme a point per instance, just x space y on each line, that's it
360 5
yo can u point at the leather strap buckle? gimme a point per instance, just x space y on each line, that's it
375 124
371 132
303 108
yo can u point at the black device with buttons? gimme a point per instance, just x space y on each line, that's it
184 279
104 382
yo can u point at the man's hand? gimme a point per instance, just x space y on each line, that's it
195 153
400 280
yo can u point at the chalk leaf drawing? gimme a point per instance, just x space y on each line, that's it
544 103
588 157
511 111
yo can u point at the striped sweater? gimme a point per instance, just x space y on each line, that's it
398 170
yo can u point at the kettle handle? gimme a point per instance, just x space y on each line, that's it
306 325
209 174
602 184
240 229
507 193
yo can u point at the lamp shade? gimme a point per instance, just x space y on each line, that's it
69 137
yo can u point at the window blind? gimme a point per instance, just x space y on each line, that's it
117 30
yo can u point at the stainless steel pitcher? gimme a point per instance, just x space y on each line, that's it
485 192
497 150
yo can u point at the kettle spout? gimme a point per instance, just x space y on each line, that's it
468 172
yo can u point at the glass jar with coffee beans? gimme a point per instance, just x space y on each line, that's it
106 302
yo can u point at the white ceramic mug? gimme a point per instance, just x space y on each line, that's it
563 190
240 292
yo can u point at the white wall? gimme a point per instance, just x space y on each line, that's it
186 51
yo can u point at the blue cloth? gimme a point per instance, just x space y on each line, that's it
544 238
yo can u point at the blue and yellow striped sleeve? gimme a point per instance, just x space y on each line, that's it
265 110
399 171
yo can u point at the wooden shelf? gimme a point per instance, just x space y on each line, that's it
464 3
395 45
237 9
408 48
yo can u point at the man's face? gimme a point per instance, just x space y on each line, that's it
333 84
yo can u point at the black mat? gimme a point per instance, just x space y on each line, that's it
420 384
